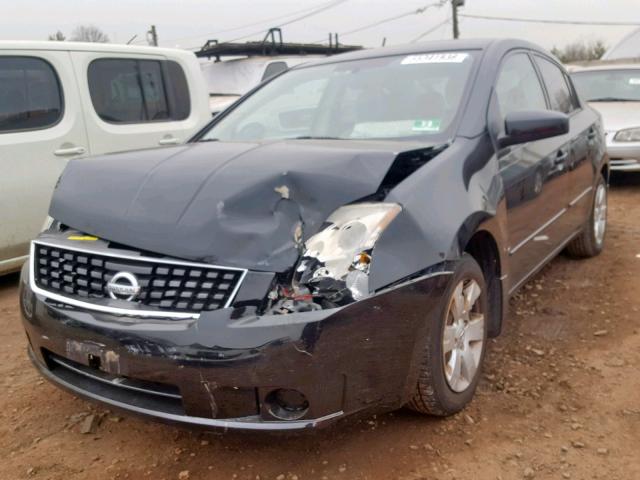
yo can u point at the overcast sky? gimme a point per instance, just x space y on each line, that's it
188 23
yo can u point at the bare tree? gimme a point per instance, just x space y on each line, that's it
580 51
89 33
57 37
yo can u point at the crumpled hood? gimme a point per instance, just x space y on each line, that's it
238 204
618 115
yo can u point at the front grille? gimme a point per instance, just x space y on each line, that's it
166 285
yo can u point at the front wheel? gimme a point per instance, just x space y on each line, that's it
591 241
455 345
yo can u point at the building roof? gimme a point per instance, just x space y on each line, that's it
628 47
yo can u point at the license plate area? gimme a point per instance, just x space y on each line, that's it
94 355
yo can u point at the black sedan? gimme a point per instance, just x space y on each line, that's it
342 239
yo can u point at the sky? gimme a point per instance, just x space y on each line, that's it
189 23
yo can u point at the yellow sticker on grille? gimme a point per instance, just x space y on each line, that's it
83 238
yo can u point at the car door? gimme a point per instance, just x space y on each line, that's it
134 101
583 133
534 174
41 128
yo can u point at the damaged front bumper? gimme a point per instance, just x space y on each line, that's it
223 369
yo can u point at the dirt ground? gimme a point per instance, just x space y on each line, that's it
559 398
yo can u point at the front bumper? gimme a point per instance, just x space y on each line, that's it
218 370
625 157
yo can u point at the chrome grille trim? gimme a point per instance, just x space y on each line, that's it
124 311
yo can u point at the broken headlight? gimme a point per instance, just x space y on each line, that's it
335 264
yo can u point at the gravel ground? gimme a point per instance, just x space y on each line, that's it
559 398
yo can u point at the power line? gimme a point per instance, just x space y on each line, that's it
390 19
558 22
252 24
431 30
316 11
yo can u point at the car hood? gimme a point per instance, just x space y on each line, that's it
618 115
250 205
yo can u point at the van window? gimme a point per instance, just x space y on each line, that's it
30 94
178 91
138 91
274 68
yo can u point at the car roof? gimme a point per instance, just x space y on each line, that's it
499 44
89 47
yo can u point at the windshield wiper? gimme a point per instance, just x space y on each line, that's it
612 99
209 140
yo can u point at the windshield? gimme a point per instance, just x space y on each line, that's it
395 97
608 85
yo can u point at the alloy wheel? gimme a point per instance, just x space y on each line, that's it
463 335
600 214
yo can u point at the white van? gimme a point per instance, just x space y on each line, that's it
62 100
228 80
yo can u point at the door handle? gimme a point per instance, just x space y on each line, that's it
169 141
561 156
66 152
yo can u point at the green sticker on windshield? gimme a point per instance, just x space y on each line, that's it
431 125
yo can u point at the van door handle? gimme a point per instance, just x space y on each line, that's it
561 156
169 141
67 152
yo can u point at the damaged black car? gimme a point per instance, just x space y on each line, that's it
343 239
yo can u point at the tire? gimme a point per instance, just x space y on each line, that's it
591 240
437 392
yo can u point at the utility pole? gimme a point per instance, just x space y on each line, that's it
152 36
454 16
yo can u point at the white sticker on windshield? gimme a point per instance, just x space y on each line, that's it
634 81
451 57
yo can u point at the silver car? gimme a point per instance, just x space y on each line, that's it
614 91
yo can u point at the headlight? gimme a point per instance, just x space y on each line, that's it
628 135
335 264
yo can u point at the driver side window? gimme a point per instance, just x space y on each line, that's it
518 87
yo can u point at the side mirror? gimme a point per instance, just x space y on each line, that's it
530 125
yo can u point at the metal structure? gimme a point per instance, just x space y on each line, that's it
271 45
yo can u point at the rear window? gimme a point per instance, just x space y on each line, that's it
619 85
138 91
179 100
30 94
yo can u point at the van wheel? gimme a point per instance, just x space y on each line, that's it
591 241
455 345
